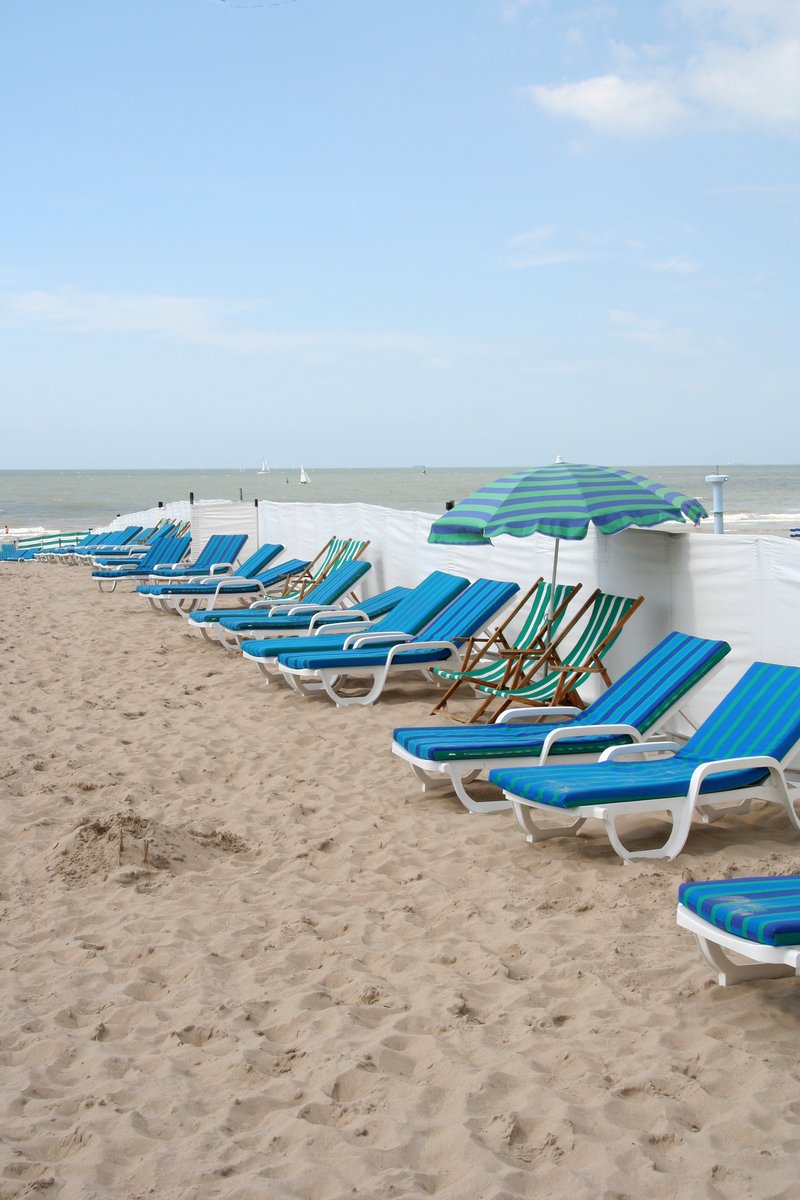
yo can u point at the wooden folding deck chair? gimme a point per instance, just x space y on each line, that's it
562 671
490 659
334 553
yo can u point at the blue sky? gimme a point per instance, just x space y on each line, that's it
382 232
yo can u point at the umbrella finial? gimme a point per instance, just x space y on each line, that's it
559 459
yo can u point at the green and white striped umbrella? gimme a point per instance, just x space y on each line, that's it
561 500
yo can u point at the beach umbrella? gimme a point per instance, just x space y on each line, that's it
561 500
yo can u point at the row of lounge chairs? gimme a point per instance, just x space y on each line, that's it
540 759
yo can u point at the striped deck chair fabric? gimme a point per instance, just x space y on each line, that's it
412 614
334 553
755 729
757 918
438 641
639 700
566 670
525 650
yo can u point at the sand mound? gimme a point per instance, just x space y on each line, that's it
130 849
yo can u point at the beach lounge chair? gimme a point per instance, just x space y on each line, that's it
756 918
737 755
108 541
292 618
167 550
54 553
644 696
233 627
371 659
138 548
492 659
216 558
412 614
184 596
565 670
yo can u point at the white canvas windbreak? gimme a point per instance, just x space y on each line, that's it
743 588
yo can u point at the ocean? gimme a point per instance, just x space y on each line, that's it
763 499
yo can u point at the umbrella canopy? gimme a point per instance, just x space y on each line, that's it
561 500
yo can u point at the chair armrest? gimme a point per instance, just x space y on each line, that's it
395 650
356 640
721 765
566 733
640 748
220 568
356 619
536 714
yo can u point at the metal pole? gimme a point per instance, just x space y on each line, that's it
717 505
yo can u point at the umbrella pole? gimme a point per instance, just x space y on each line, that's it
551 613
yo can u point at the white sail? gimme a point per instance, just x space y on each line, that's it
303 477
263 469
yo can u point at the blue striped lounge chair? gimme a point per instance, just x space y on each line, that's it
757 919
409 617
166 550
137 548
370 659
216 558
296 619
233 627
645 696
184 596
109 541
738 754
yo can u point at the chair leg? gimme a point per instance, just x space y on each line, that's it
542 833
729 972
458 781
681 815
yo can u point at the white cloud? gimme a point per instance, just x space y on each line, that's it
744 72
187 319
677 265
651 332
659 337
546 246
611 104
757 86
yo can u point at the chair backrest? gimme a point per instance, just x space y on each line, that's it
656 683
166 550
384 602
759 715
259 561
606 616
118 537
336 583
337 552
536 619
289 567
220 548
421 605
470 610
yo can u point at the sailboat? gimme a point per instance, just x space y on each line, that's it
263 469
303 477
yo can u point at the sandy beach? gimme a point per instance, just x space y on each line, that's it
244 957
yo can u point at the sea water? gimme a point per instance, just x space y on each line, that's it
763 499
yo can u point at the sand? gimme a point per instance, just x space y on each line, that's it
243 956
